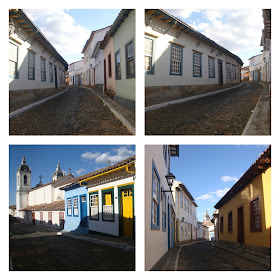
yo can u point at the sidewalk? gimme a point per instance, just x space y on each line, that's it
126 117
262 260
260 120
123 243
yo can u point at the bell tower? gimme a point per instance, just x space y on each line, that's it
58 173
23 185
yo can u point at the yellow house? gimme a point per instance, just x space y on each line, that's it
245 210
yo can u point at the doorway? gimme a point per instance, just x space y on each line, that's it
240 225
83 206
105 80
126 212
33 218
55 76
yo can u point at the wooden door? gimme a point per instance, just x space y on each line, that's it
33 218
105 80
127 213
220 72
240 225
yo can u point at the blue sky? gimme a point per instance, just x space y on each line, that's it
69 29
239 31
209 171
81 159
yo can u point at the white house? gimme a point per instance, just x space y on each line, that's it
180 61
209 232
93 68
36 69
76 73
159 203
185 209
43 204
256 64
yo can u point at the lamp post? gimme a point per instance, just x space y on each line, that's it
170 179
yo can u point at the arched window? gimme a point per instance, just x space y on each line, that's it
24 179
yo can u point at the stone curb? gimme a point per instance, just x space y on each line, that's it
245 131
122 119
124 247
161 105
21 110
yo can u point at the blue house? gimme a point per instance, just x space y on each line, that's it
76 208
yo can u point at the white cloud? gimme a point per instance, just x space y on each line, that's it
220 193
122 153
60 29
183 13
229 178
80 171
204 197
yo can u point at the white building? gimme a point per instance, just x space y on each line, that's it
36 69
180 61
256 65
76 73
159 203
209 231
93 68
43 204
185 209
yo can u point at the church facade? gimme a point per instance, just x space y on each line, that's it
43 204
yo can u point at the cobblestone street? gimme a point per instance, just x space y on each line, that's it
225 113
202 256
76 112
35 248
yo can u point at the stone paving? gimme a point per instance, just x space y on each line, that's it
225 113
75 112
41 249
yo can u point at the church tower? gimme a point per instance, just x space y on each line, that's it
58 173
206 217
23 185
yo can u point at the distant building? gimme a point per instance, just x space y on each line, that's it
245 210
76 73
256 65
36 69
245 73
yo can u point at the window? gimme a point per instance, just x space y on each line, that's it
222 225
148 56
230 222
255 217
24 179
109 65
228 71
185 203
13 60
118 65
41 217
69 207
182 230
94 211
61 219
181 199
60 75
197 64
108 205
50 218
234 72
130 65
176 60
164 212
155 198
211 67
186 229
75 206
31 65
43 69
188 210
51 72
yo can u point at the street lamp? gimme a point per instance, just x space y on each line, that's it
170 179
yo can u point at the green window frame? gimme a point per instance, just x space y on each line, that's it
43 69
108 214
163 212
94 206
130 59
176 60
211 67
13 61
149 64
118 75
197 64
155 211
31 65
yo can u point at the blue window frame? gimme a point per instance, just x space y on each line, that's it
211 67
31 65
163 212
69 207
75 206
155 213
149 55
176 60
118 75
197 64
